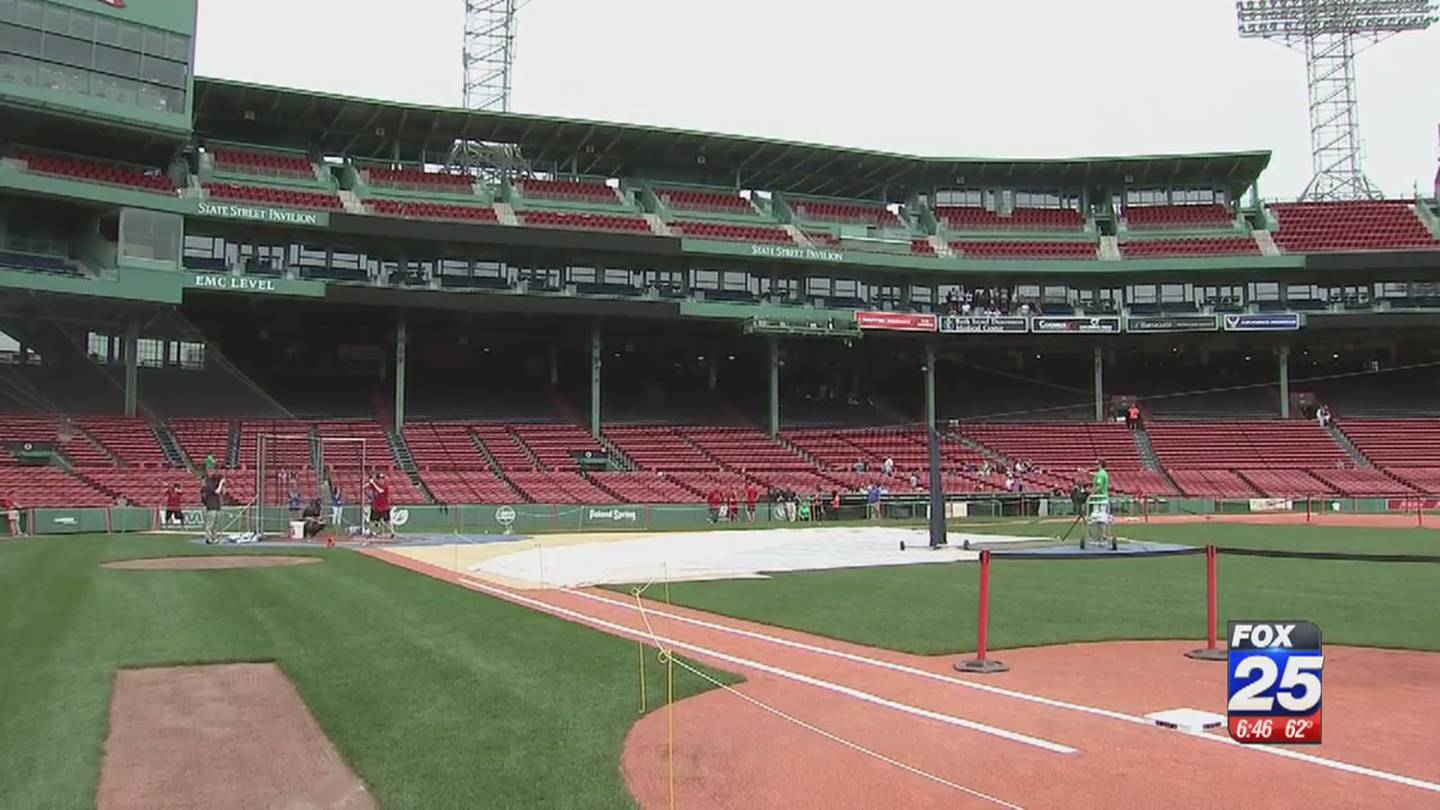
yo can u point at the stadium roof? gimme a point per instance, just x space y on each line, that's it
366 128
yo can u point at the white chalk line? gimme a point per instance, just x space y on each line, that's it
905 708
1285 753
854 746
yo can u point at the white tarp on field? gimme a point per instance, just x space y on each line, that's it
723 555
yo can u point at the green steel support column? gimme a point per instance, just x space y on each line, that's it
1284 382
774 364
930 387
132 368
402 341
1099 385
595 382
932 440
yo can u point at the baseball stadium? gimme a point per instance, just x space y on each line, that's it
360 453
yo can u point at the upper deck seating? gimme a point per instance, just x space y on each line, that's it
1214 215
568 190
273 196
1358 225
713 202
152 180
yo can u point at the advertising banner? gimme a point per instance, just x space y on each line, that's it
1263 322
896 321
983 324
1172 323
1075 324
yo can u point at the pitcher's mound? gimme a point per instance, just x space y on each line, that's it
222 736
214 563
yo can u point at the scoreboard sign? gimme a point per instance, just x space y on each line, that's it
1274 682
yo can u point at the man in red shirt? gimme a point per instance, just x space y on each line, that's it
732 506
380 504
752 495
713 500
12 515
172 507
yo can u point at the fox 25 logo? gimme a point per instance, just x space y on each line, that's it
1274 685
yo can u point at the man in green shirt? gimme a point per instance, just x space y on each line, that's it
1100 486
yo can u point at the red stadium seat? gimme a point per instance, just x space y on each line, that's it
1358 225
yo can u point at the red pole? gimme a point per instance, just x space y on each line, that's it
982 637
1211 651
1212 596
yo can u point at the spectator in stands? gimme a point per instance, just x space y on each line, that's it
752 495
859 465
1132 416
311 516
1009 481
211 492
172 507
888 466
914 480
1322 415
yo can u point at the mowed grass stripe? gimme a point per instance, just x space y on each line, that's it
436 696
930 609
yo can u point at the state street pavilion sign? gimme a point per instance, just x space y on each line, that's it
263 213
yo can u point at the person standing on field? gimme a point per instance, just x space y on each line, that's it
210 494
380 505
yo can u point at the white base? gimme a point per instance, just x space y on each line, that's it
1192 721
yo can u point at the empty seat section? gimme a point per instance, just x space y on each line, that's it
48 487
1058 453
1316 227
583 220
149 487
559 487
1293 444
1025 250
199 438
1397 442
1215 483
659 448
266 195
97 172
557 446
1277 483
974 218
53 431
645 487
429 210
420 180
508 453
1212 215
273 164
715 202
570 190
732 233
443 446
858 213
922 247
1197 246
1360 483
127 438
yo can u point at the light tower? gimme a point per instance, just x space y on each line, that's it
489 53
1330 33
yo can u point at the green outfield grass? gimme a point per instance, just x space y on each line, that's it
437 697
930 609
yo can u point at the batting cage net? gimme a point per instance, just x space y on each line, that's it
292 470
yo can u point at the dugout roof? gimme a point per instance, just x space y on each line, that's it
380 130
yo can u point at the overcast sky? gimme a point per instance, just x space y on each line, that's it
1041 78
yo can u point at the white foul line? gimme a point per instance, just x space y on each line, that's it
546 607
1285 753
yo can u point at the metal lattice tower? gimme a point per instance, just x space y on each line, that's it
1330 33
489 53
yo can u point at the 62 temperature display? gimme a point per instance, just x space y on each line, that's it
1274 684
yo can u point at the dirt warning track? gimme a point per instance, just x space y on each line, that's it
824 723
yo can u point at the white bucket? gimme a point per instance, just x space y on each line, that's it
297 530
